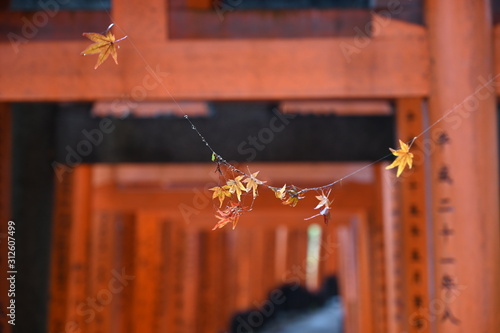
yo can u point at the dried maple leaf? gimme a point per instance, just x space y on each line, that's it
235 186
403 157
323 200
293 198
104 44
280 194
231 214
253 183
221 192
325 203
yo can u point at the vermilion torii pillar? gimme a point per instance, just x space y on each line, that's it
464 168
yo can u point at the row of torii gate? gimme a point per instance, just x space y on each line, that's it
451 63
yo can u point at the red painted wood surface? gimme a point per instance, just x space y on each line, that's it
388 210
153 67
183 276
410 114
394 62
464 159
70 253
217 19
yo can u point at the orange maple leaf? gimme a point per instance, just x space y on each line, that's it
104 44
294 197
231 214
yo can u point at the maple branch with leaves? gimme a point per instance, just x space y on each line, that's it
235 187
240 183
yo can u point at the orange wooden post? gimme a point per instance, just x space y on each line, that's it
359 226
78 244
173 259
59 283
191 279
123 263
297 253
328 257
69 267
146 280
219 277
211 282
355 273
410 123
100 272
258 265
464 159
242 269
269 278
177 284
5 190
387 211
379 244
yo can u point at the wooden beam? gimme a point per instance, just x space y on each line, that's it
152 67
223 20
464 160
184 176
219 70
338 107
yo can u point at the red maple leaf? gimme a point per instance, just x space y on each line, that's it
231 214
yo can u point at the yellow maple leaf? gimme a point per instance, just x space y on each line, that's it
235 186
280 194
403 157
253 183
221 192
104 44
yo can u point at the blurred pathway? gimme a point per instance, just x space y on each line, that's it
324 320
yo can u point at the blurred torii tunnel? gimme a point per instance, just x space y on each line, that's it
108 186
